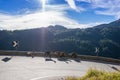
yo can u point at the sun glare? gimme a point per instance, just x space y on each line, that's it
43 4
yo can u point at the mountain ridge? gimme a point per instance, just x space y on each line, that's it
111 24
59 38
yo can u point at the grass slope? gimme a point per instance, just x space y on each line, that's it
97 75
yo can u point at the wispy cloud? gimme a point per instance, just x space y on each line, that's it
111 7
84 0
72 4
59 7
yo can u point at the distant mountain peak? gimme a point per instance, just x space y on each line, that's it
57 27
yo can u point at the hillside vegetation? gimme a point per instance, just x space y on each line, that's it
106 37
98 75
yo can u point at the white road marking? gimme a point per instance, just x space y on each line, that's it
43 77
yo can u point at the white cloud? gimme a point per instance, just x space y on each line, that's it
54 14
38 19
51 15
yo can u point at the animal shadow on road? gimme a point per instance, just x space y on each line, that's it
50 59
114 68
66 60
6 59
77 60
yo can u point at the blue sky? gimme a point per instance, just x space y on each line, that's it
25 14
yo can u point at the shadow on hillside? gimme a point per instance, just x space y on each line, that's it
66 60
6 59
49 59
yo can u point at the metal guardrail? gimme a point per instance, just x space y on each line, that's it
55 54
21 53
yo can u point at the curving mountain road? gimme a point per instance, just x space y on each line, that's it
40 68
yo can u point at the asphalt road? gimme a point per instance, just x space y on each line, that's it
40 68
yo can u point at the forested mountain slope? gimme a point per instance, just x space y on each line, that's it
58 38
